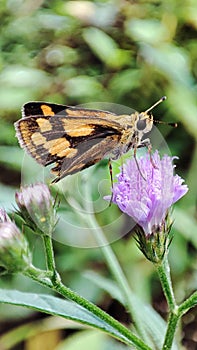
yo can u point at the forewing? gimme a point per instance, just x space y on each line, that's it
53 109
67 140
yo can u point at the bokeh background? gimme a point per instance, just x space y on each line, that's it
125 52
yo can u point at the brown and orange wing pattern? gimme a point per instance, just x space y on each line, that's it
72 138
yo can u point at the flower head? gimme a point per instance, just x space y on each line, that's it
36 207
147 198
14 251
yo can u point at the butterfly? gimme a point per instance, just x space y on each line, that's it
74 138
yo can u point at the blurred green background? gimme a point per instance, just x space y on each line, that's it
125 52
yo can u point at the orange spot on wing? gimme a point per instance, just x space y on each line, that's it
44 124
69 153
86 113
47 110
76 129
57 146
38 139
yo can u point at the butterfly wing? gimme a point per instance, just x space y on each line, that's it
53 109
72 142
87 153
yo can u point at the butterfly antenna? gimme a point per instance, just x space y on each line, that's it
174 125
163 98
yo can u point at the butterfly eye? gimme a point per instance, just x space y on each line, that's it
141 124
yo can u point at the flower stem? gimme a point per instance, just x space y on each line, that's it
40 276
188 304
50 259
172 325
176 312
43 278
67 293
163 270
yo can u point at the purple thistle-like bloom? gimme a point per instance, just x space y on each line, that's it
148 198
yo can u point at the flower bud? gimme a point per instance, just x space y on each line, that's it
14 250
36 207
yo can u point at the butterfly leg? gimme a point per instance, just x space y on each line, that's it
110 171
137 164
111 178
146 143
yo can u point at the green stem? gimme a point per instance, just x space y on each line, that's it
163 270
50 259
188 304
171 329
67 293
175 311
43 278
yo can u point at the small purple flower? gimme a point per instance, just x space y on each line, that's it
36 207
14 249
148 198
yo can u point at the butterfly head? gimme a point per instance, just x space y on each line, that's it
144 121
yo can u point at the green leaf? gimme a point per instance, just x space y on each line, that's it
149 31
105 48
56 306
83 340
165 59
83 86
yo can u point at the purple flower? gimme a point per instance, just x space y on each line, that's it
148 198
36 207
14 249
